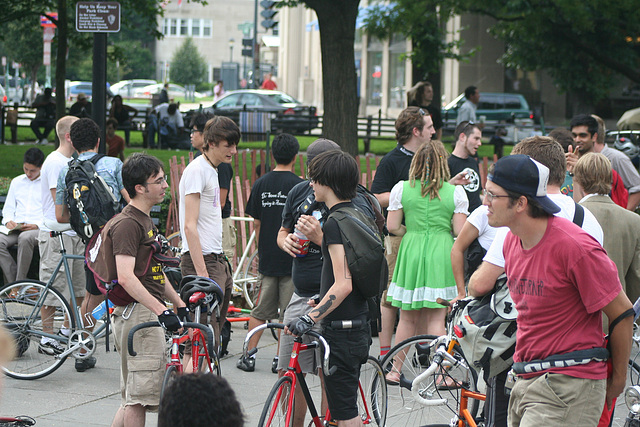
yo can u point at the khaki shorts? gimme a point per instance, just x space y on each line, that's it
275 293
228 237
309 359
141 375
391 244
50 256
556 400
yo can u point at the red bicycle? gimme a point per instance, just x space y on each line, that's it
278 409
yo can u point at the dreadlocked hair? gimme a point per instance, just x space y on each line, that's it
429 166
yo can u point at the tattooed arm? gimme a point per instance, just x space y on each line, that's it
341 287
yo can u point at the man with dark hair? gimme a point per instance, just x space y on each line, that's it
413 128
464 158
85 137
82 107
467 112
266 202
45 105
164 94
21 216
200 210
125 242
225 175
565 139
586 132
200 400
115 143
334 178
560 280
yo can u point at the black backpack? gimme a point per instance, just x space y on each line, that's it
90 199
364 250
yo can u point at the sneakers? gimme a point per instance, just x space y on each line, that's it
43 141
274 365
51 348
247 364
84 364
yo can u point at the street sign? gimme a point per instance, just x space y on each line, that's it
97 17
48 34
46 22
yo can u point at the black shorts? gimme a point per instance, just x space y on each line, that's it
90 284
349 350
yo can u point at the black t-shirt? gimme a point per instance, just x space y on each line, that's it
225 173
436 116
393 167
266 202
301 201
354 305
474 188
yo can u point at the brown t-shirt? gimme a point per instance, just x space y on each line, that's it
131 233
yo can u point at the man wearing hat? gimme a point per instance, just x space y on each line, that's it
561 280
82 107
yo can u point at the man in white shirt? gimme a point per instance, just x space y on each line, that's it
22 214
200 209
50 247
467 111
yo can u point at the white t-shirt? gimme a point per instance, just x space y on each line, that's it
479 220
459 198
49 173
567 210
176 120
199 177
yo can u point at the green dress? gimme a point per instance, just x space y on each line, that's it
423 268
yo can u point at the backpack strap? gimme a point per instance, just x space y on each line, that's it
96 158
578 216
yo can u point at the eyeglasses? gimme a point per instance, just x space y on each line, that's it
158 181
194 130
470 123
490 196
421 111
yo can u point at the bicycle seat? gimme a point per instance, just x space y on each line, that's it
192 284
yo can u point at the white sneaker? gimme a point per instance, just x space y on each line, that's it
43 141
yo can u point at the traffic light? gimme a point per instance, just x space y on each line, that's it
247 47
268 13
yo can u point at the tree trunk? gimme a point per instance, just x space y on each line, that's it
337 22
61 61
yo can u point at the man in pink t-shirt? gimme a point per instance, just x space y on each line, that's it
561 280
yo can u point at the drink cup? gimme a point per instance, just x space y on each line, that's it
305 247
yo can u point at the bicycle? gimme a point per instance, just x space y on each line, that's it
278 408
19 421
20 313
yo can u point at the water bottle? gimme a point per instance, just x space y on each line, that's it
304 241
101 310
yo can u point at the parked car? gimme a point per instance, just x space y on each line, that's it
495 107
290 114
76 87
127 88
175 91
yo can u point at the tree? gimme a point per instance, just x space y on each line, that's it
23 44
187 65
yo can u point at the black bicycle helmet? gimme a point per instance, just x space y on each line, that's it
192 284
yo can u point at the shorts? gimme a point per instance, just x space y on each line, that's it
141 375
555 399
228 237
50 256
90 285
275 293
349 350
310 359
392 245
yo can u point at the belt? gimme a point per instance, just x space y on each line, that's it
566 360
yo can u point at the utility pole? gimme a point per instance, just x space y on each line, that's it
256 58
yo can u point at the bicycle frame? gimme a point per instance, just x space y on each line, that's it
237 282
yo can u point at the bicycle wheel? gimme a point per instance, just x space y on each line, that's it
403 409
20 304
203 366
276 411
169 376
251 288
372 393
634 371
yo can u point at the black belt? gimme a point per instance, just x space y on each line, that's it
566 360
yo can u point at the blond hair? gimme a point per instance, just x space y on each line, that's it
63 126
593 173
429 166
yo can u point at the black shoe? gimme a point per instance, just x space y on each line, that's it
274 365
247 364
84 364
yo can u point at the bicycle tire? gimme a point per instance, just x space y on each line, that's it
634 371
215 364
169 376
403 409
21 315
273 414
251 288
373 388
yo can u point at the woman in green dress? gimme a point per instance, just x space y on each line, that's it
432 209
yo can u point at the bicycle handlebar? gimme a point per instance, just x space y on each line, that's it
193 325
440 356
327 350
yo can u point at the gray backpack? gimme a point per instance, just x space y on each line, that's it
488 328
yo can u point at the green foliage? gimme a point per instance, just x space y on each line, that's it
187 65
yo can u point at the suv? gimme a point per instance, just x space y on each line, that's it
495 107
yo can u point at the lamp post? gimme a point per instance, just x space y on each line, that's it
231 41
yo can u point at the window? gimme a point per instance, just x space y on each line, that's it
251 100
184 27
173 28
195 28
374 72
165 26
206 28
397 65
228 101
